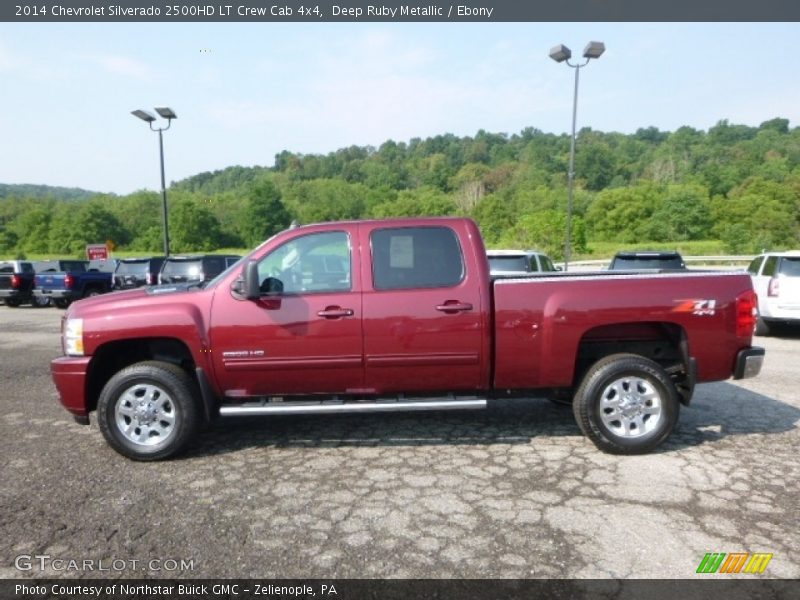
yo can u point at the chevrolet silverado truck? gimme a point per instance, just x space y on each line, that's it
64 281
399 315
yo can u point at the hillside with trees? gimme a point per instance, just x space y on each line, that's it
733 183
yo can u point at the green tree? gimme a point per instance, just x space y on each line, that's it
264 214
421 202
193 228
546 231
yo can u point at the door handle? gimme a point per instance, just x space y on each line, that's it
453 306
335 312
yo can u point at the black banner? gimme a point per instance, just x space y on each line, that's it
359 10
367 589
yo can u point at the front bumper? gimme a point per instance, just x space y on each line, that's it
70 374
748 363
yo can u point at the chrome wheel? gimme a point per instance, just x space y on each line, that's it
630 407
145 414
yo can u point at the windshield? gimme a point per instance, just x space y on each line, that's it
508 264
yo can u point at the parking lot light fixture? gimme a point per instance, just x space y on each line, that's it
165 113
560 54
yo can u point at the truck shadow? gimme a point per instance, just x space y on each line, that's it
718 410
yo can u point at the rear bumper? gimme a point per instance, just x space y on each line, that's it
774 309
68 294
69 375
14 294
748 363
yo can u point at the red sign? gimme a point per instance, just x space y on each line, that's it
96 252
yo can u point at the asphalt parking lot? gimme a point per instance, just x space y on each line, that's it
514 491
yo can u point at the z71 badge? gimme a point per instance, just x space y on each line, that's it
701 308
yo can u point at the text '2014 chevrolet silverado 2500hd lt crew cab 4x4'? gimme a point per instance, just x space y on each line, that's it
399 315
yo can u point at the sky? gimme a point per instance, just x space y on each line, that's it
244 92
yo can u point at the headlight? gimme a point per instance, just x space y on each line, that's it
73 337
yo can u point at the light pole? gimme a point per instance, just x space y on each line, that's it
168 114
559 54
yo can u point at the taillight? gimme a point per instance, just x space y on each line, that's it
68 281
746 313
772 290
15 281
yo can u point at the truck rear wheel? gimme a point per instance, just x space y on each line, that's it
626 404
148 411
62 302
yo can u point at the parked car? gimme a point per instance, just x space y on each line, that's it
16 282
776 280
136 272
518 262
64 281
376 316
194 269
638 260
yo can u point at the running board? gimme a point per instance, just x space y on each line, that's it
317 407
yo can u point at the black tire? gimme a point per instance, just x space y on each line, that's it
89 293
763 327
62 302
647 388
40 301
12 302
157 438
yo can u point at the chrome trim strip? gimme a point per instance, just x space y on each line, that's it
360 407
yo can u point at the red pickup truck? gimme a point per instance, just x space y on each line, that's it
399 315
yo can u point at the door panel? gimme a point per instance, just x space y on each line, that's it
304 340
422 312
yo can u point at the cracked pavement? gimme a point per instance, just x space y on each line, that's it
511 492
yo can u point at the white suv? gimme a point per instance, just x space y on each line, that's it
776 279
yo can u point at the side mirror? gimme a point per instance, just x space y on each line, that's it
250 288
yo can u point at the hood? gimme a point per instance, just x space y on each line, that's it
122 299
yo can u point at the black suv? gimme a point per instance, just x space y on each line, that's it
136 272
647 260
194 269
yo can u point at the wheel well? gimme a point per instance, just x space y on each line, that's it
114 356
663 343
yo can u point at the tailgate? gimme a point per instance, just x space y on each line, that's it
50 281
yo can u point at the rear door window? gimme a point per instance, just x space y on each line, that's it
416 257
770 266
755 265
547 264
790 266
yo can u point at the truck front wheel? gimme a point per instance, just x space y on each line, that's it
148 411
626 404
